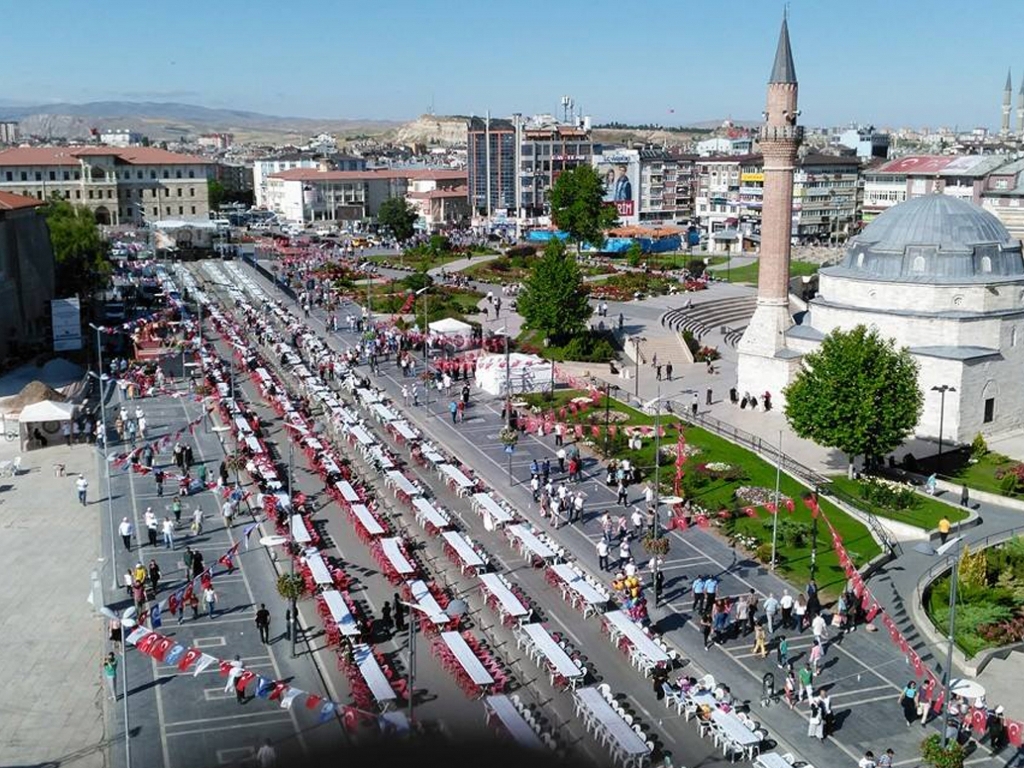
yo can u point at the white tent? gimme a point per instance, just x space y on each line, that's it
525 373
449 326
43 412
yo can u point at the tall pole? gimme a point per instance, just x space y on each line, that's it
636 350
607 413
412 667
508 402
954 578
775 520
106 463
293 629
814 535
657 487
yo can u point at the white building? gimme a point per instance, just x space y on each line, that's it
9 132
865 141
121 137
120 185
264 168
942 277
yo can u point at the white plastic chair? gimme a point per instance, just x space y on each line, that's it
605 690
708 682
788 757
16 466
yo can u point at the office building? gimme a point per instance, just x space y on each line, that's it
266 167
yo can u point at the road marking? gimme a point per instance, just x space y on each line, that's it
209 642
260 724
235 755
213 694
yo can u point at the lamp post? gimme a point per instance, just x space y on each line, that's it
607 413
657 489
455 609
426 330
814 534
106 450
942 389
637 341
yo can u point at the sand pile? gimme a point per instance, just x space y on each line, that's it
35 392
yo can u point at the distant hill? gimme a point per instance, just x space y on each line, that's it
171 120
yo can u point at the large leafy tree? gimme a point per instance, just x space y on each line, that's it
398 216
857 393
78 250
578 206
217 194
553 298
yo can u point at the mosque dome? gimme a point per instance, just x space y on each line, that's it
934 239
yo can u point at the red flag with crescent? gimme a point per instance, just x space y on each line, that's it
937 704
915 662
904 645
680 523
278 692
146 644
225 668
979 719
770 507
873 612
1015 732
702 521
750 512
243 680
312 701
724 514
161 647
789 505
189 658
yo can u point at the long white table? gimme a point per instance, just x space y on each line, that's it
734 730
368 396
470 557
383 413
513 722
558 660
629 629
300 533
435 458
242 425
426 512
625 738
464 654
377 454
456 475
422 597
574 581
374 676
484 502
510 604
403 429
253 444
400 482
771 760
367 520
317 567
348 493
530 544
393 551
340 612
360 434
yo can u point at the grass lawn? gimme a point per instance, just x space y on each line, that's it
748 273
678 260
982 475
718 494
391 298
415 262
925 514
500 270
603 347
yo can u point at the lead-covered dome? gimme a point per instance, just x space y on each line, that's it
934 239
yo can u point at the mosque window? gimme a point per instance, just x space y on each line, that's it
986 263
918 264
860 259
990 410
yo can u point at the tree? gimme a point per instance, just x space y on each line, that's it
553 298
217 194
858 393
78 249
398 217
578 206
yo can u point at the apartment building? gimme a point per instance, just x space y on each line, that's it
826 198
264 168
120 185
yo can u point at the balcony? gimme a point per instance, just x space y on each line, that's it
780 133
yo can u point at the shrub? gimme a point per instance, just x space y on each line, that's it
589 348
695 267
634 255
1008 484
933 754
520 251
416 281
764 553
893 496
978 447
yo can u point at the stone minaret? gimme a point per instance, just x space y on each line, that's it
764 361
1004 131
1020 111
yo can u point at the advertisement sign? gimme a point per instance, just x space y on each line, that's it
620 172
67 324
752 177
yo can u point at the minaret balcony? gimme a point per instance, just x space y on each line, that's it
780 133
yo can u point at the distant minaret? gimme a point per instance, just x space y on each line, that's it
1020 111
1007 99
763 361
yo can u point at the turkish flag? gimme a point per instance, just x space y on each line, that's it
770 507
937 704
243 680
1013 731
279 689
724 514
789 505
312 701
225 668
750 512
979 719
146 644
161 647
904 645
189 658
873 612
680 523
915 662
702 521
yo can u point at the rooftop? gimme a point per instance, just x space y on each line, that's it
422 174
942 165
69 156
12 202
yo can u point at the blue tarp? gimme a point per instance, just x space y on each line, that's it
544 235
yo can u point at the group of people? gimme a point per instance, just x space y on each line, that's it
750 401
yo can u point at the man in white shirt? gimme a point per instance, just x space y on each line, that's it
818 628
602 554
125 530
151 525
786 605
638 522
168 531
868 761
630 567
82 486
266 757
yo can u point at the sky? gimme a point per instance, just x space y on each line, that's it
882 62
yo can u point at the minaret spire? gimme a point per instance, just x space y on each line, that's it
783 70
1004 129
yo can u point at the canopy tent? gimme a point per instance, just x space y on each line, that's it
525 373
45 412
449 326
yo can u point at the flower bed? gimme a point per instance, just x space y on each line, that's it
759 496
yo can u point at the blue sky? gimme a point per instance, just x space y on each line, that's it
887 62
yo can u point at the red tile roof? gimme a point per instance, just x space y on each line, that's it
444 192
68 156
12 202
419 174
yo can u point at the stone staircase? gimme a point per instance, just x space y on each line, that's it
892 601
732 313
668 348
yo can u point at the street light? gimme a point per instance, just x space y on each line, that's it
775 517
637 341
942 389
657 484
426 332
926 549
455 609
508 400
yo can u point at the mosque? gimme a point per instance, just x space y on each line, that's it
939 275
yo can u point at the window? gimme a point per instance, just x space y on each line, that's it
24 176
39 176
177 174
78 194
168 209
167 175
193 209
53 175
110 194
986 263
67 176
990 410
179 191
10 176
156 211
67 194
191 174
918 265
152 174
78 175
191 191
181 210
90 194
139 174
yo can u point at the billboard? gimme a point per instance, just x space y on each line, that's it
620 172
67 324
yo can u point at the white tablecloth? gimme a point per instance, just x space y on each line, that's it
360 434
734 729
464 549
531 541
461 650
317 566
377 454
340 613
403 428
557 658
636 636
373 674
393 551
428 513
348 493
511 604
368 521
517 727
253 444
433 457
384 413
243 426
422 597
402 483
771 760
300 533
578 584
454 473
625 738
484 502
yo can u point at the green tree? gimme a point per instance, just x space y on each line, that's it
398 217
217 194
578 206
553 298
78 249
634 254
857 393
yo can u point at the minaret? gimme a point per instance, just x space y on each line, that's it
1007 99
764 361
1020 111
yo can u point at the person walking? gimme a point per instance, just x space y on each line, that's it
159 477
818 629
694 404
827 717
110 675
623 553
82 486
668 371
602 554
782 653
705 629
708 401
885 760
154 576
151 526
386 622
814 657
698 594
125 530
806 679
263 623
944 528
453 409
210 598
816 721
266 757
168 533
198 566
786 606
622 494
908 700
965 497
398 610
760 644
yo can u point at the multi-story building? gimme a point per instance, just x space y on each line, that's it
315 195
128 185
718 191
216 141
1004 196
864 141
751 196
441 199
236 178
26 273
491 165
121 137
266 167
9 132
666 187
826 198
547 149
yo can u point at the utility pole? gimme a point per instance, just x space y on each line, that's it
775 520
607 414
657 489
